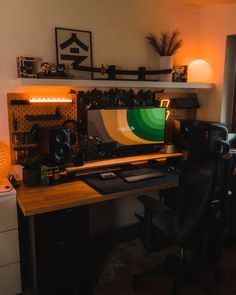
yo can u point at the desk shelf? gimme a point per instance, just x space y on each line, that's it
111 84
124 160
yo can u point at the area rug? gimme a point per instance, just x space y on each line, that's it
125 259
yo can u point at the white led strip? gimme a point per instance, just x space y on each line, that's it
49 99
165 102
167 114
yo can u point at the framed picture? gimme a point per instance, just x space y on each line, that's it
73 49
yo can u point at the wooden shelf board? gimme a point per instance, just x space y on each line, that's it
111 83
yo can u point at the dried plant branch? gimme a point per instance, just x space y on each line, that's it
174 43
168 43
164 40
156 45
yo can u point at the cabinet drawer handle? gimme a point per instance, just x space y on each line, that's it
69 210
61 243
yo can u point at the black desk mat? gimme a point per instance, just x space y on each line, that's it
115 185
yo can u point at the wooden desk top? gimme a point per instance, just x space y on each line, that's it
42 199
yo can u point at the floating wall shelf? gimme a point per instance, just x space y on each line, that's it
111 83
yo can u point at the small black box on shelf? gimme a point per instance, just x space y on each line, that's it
184 103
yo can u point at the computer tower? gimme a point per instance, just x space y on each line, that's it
198 137
181 134
54 145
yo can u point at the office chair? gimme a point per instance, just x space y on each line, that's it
194 221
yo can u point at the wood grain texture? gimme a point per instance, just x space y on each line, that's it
117 161
42 199
36 200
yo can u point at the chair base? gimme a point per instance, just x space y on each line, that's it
175 269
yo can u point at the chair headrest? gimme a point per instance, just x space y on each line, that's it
218 139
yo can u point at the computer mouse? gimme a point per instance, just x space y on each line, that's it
171 169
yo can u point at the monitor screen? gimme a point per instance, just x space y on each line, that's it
127 127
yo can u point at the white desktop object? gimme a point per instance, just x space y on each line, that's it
10 279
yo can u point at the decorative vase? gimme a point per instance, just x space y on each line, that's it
166 63
31 177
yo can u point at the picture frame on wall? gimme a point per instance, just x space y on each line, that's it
73 49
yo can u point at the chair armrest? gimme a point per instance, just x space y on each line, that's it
150 234
153 204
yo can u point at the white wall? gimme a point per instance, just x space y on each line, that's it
119 29
216 23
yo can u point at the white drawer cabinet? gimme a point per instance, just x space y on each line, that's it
10 279
9 242
8 215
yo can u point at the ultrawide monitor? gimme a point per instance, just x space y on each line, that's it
127 127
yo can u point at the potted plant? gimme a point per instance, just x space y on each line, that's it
31 170
166 46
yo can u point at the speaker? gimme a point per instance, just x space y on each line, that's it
54 145
182 132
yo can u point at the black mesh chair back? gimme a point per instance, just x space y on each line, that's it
193 216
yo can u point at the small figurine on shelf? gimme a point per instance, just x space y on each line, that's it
26 67
61 71
45 67
53 70
50 71
180 74
45 70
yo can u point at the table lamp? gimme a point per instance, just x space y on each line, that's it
199 71
4 160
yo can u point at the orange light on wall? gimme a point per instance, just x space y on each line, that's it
199 71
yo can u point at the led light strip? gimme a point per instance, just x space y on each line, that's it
165 103
167 114
49 99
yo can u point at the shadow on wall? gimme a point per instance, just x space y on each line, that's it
5 165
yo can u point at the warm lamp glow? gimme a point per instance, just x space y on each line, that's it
199 71
4 160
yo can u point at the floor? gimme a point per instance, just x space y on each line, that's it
116 273
162 286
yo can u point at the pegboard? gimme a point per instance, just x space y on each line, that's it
19 125
68 111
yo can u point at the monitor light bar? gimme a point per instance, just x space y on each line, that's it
49 99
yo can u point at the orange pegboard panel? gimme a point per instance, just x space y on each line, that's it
19 106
